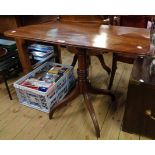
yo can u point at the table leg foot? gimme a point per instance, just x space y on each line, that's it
75 93
92 113
95 90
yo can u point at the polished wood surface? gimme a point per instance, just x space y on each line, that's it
94 36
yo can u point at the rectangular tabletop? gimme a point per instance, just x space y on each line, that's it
92 36
83 35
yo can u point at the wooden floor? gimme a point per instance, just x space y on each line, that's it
72 122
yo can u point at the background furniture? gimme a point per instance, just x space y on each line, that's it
11 21
129 21
9 65
139 116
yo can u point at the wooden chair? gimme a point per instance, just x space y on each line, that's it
129 21
87 19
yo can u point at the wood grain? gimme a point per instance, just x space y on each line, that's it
72 122
95 36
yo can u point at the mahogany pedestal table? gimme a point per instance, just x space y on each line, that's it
83 37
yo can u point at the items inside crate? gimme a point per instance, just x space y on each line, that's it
44 79
40 53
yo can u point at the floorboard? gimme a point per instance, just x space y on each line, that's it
73 121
